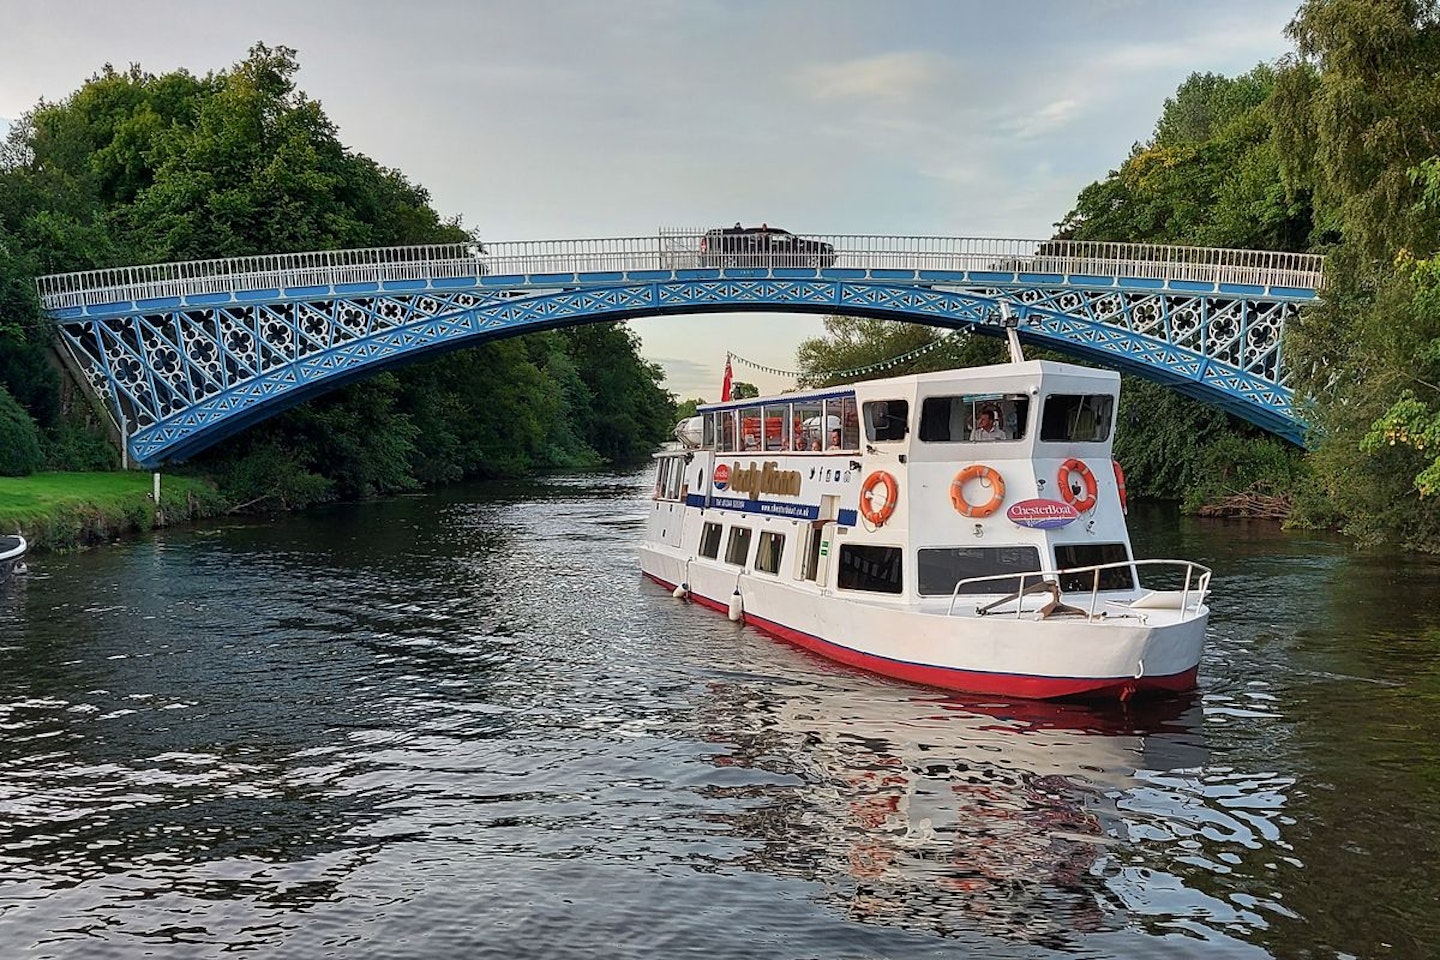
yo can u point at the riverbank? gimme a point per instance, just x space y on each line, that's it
66 511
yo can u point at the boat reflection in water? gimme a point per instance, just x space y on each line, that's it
946 815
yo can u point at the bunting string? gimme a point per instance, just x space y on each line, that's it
954 336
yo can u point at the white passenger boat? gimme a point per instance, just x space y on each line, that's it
964 530
12 554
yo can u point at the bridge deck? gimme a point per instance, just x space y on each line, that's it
527 263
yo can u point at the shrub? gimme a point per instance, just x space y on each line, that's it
19 439
72 447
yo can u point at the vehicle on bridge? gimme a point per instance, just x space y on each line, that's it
964 530
12 553
762 246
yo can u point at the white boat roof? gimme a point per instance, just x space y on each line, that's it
998 376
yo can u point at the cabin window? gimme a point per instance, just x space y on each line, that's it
1079 418
887 420
876 569
974 417
710 540
669 478
725 431
940 568
768 551
777 427
738 549
750 428
841 412
675 482
1090 555
809 424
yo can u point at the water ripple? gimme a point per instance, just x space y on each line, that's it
463 725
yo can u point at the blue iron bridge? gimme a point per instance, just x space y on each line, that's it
184 354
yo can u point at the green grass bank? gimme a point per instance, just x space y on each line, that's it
64 511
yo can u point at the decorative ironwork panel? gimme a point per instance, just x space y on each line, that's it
184 354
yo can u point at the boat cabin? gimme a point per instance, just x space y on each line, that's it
903 489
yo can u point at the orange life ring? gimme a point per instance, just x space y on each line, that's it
1120 486
878 515
1077 467
989 477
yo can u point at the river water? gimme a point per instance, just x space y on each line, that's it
461 725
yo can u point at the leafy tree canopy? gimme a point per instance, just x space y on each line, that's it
1357 110
135 167
1209 176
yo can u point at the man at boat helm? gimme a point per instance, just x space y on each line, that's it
987 428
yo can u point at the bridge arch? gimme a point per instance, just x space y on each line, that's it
187 354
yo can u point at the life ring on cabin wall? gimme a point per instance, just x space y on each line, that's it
988 477
878 515
1120 486
1087 479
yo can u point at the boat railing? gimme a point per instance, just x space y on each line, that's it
1196 581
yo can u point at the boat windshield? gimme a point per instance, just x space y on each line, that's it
974 417
1070 417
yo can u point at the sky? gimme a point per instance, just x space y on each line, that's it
570 119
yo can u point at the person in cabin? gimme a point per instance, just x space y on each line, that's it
988 427
835 438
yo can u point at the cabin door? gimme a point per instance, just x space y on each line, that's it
817 540
667 516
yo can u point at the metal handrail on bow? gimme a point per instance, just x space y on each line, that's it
1197 581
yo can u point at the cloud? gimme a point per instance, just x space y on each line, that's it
687 377
1049 118
888 78
566 119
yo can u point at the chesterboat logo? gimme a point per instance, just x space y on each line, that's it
1040 514
722 476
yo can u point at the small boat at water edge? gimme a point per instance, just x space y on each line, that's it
12 553
963 530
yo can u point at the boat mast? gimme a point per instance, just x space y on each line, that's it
1012 336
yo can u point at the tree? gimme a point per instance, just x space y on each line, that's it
687 408
1357 113
135 167
858 348
629 412
1209 176
743 390
1358 110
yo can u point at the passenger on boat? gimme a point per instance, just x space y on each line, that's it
835 439
988 428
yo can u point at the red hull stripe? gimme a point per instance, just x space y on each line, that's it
965 681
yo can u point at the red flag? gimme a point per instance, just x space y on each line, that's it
725 387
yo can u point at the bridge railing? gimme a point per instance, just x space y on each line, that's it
679 250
